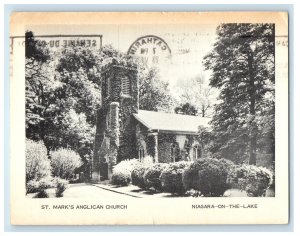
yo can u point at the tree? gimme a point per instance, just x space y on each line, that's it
35 49
197 92
61 95
242 66
78 133
154 94
40 85
186 109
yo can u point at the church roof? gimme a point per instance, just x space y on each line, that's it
168 122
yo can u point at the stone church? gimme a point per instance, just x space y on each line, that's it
123 131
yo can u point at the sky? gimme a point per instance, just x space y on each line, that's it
188 45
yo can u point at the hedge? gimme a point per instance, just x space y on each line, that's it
252 179
171 177
209 176
151 177
122 172
137 174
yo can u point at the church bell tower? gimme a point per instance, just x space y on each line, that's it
115 133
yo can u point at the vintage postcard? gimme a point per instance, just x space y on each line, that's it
149 118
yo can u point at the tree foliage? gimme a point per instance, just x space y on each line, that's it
64 162
62 95
35 49
186 109
242 66
154 93
37 162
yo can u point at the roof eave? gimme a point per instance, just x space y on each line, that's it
141 121
175 132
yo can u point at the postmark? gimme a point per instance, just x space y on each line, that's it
150 49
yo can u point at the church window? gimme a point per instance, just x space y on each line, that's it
125 86
173 152
196 152
141 154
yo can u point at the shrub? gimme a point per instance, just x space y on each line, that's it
42 194
151 176
43 185
64 162
194 193
61 185
209 176
252 179
121 178
40 186
147 161
126 165
137 174
37 162
32 186
122 172
171 177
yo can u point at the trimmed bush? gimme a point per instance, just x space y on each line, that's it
252 179
122 172
121 178
137 174
209 176
37 162
151 177
61 185
64 162
171 177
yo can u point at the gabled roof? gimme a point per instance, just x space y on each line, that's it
168 122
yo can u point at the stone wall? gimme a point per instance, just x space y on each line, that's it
165 141
99 137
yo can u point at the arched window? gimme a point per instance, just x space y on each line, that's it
196 152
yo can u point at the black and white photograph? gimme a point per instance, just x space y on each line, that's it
152 112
